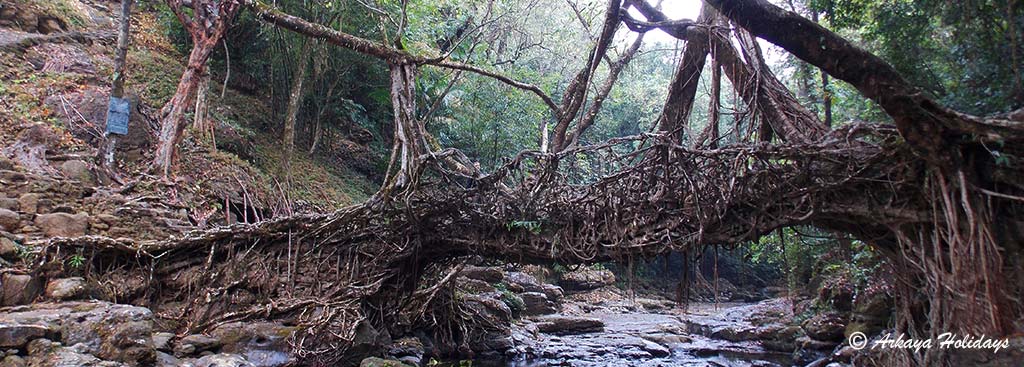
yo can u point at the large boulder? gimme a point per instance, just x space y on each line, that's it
72 356
490 334
586 279
523 282
487 306
15 336
9 220
19 289
408 350
474 285
263 344
8 248
827 326
93 330
195 344
113 332
78 170
8 203
66 288
63 224
871 313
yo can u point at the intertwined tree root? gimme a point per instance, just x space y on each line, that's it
329 272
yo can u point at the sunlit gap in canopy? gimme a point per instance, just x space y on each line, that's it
690 9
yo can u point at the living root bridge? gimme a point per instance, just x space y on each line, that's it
928 193
327 273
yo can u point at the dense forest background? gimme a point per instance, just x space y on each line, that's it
964 54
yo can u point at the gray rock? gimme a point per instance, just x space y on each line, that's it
524 282
487 306
655 349
114 332
9 220
222 360
195 344
68 357
66 288
19 289
554 292
13 361
586 279
41 346
17 336
263 344
8 249
63 224
561 325
474 285
537 304
407 346
813 344
167 360
488 274
8 203
78 170
162 341
827 326
6 164
380 362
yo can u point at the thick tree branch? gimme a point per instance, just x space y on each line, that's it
929 127
754 82
615 69
575 93
683 89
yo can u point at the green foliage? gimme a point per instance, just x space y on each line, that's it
77 260
967 53
25 253
512 300
531 226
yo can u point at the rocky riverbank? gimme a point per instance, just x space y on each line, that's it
594 323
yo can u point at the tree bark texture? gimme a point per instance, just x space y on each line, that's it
207 25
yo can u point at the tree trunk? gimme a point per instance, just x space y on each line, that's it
716 104
956 260
683 89
202 123
826 95
826 100
123 37
173 123
294 101
409 137
206 23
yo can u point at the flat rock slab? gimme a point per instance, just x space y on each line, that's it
564 325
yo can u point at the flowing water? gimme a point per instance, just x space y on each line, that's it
672 338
